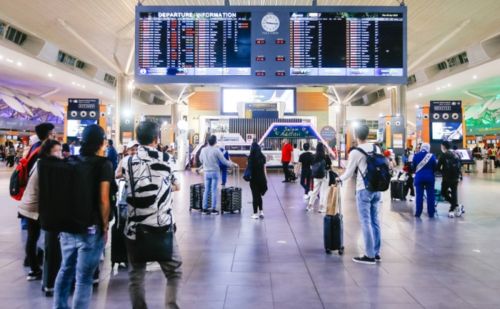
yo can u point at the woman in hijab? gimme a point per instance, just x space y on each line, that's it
258 181
424 165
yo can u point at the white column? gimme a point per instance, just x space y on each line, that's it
123 103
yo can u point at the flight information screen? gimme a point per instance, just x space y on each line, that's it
346 44
194 43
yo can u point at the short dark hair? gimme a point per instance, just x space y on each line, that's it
361 132
46 147
146 132
295 145
110 142
446 145
65 147
92 140
42 130
212 140
306 146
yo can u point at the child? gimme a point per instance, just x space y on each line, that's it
408 178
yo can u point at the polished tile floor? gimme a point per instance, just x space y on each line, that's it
233 261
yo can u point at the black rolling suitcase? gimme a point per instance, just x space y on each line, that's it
333 229
231 200
398 190
196 192
51 263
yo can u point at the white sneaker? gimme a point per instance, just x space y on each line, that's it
411 199
309 208
458 211
255 216
261 214
451 214
306 197
322 210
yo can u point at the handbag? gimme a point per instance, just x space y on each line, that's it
151 243
247 175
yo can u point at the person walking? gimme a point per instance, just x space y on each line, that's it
150 202
111 154
449 166
223 168
211 157
424 165
367 201
306 159
258 180
11 154
286 158
81 252
320 167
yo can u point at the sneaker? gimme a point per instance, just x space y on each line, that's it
207 212
215 211
309 208
322 210
451 214
49 292
411 199
378 258
255 216
364 260
34 275
306 197
458 211
462 208
285 181
261 214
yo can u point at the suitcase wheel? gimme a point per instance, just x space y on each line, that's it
341 251
328 251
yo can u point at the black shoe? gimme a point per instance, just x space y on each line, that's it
49 292
364 260
378 258
285 181
34 275
215 211
207 211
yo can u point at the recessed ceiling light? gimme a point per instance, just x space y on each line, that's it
1 57
417 106
420 94
73 83
19 64
438 88
474 77
9 60
50 75
449 85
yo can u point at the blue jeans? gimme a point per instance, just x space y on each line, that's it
223 174
368 203
211 180
80 258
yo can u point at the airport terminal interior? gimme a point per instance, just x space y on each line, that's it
418 79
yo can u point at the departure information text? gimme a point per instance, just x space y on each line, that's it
346 44
194 43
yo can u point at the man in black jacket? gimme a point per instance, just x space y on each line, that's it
449 166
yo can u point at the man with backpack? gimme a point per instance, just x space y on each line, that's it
150 224
372 176
74 199
449 166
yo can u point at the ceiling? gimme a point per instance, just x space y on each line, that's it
108 26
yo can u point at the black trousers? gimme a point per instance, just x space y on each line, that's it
409 186
306 180
256 197
449 192
31 244
286 170
51 259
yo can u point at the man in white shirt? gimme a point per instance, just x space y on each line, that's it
367 202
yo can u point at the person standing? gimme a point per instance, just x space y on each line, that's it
367 201
150 201
81 251
111 154
424 165
211 157
320 167
223 168
286 158
306 160
295 159
258 181
449 166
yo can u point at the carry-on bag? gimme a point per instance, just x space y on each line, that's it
398 190
196 196
231 196
333 222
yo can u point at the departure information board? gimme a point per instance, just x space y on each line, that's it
346 44
194 43
270 45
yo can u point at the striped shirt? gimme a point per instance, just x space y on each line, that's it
152 184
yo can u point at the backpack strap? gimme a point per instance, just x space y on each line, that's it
131 177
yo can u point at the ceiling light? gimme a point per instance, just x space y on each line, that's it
9 60
420 94
449 85
438 88
100 92
50 75
381 115
1 57
417 106
19 64
73 83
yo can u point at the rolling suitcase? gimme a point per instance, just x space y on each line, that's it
333 228
51 263
398 190
231 196
196 192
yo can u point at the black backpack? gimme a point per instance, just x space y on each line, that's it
378 175
451 167
69 193
319 169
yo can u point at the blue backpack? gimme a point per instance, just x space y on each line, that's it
378 175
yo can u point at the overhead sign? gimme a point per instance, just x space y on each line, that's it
264 45
292 131
83 109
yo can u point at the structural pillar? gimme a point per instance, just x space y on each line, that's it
123 106
181 129
402 104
